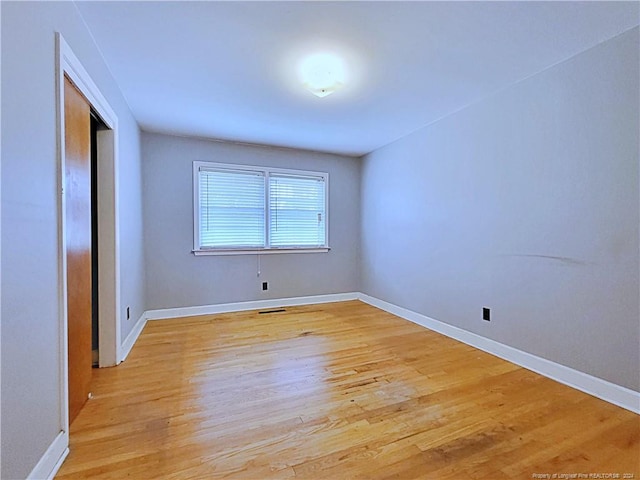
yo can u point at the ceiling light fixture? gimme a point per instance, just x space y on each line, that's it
322 73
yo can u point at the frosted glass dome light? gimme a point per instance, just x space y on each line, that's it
322 73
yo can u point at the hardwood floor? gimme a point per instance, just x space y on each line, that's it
336 391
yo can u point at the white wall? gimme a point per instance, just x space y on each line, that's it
527 203
177 278
30 324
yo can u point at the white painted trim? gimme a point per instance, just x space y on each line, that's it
50 462
130 341
244 306
62 241
602 389
259 251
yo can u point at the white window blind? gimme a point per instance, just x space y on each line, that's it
232 208
241 209
296 211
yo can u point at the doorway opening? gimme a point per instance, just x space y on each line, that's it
103 315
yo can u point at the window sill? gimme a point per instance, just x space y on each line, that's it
258 251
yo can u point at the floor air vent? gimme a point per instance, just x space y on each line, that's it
272 311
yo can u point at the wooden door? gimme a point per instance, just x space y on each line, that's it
78 243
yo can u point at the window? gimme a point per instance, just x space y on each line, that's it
243 209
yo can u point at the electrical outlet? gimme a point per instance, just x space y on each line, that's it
265 286
128 313
486 314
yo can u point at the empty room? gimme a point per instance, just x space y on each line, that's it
320 240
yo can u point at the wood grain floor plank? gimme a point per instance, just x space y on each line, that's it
334 391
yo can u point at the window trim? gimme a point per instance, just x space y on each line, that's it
266 171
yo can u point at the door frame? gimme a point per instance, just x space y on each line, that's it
108 221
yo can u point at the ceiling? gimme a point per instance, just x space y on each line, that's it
227 70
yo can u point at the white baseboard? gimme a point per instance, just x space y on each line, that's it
130 341
168 313
610 392
50 462
252 305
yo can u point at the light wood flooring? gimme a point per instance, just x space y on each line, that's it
336 391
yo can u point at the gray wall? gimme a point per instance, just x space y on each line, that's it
177 278
527 203
30 321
